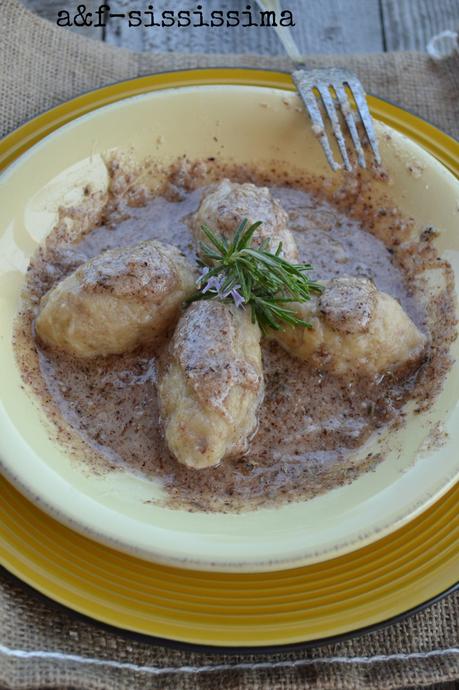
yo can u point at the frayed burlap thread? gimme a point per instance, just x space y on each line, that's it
44 646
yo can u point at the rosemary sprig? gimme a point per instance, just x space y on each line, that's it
253 276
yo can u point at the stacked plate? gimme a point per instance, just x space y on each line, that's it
356 557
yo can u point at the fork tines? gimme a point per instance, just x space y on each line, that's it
323 80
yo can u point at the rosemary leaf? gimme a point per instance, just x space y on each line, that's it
235 269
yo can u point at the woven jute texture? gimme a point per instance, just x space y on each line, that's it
42 65
44 646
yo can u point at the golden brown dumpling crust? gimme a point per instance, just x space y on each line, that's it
211 385
356 329
225 205
117 301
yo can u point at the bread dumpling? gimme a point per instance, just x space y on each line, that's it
355 329
211 384
225 205
116 301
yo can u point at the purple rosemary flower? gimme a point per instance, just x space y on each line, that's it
215 285
233 292
237 297
202 275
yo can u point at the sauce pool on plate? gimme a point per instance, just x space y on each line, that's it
311 421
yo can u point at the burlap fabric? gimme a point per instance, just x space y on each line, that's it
42 65
42 646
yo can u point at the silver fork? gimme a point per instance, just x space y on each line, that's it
331 86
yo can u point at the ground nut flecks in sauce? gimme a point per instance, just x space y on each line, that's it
310 422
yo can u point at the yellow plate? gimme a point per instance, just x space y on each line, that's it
116 508
360 589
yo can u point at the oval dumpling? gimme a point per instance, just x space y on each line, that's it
225 205
355 328
117 301
211 385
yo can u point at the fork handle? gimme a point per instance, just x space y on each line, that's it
287 40
283 33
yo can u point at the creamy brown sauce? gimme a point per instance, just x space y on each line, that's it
310 422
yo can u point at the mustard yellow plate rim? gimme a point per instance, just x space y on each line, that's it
363 588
